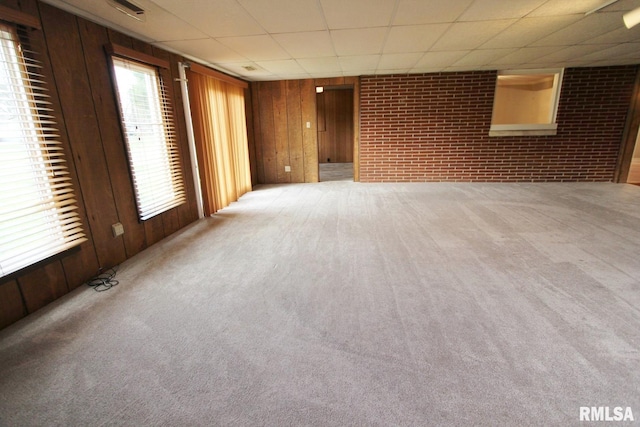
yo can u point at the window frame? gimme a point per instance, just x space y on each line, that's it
165 104
531 129
42 220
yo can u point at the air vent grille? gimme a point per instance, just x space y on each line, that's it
128 8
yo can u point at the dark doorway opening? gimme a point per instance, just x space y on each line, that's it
335 133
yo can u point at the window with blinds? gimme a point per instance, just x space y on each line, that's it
147 126
38 212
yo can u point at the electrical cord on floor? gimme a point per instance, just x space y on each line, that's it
105 280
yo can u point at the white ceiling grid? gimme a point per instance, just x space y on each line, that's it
293 39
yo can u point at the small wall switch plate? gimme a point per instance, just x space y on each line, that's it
287 168
117 229
308 125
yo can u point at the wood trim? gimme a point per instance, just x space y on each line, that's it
20 18
201 69
125 52
355 81
310 134
348 83
630 134
12 306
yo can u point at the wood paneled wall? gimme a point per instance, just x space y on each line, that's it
281 111
335 126
82 96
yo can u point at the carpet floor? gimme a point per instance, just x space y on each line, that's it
335 171
342 303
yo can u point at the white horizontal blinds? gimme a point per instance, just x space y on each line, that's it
38 217
151 143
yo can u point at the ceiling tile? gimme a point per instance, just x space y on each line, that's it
440 60
572 53
484 10
411 12
413 38
566 7
359 62
470 35
477 58
528 30
426 70
256 48
611 52
455 68
258 73
360 73
208 50
357 13
306 44
593 25
632 51
303 76
620 35
377 36
395 61
222 18
289 16
525 55
358 41
103 13
385 72
265 78
321 65
163 26
285 66
160 25
619 61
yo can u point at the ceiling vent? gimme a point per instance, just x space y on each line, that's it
249 67
129 9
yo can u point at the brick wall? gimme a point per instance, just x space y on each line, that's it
435 127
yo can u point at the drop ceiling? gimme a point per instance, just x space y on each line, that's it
299 39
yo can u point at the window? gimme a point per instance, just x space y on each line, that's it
526 103
38 217
146 116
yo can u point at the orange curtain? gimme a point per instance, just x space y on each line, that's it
220 129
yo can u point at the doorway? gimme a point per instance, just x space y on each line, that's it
335 133
628 168
634 168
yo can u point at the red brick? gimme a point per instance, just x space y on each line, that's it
434 127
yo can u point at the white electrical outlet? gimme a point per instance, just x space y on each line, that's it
117 229
287 168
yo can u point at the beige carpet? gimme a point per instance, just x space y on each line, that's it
336 172
341 303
